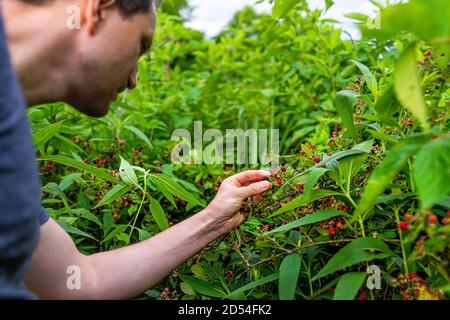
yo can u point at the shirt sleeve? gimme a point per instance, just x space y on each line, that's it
43 216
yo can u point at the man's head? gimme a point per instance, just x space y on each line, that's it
104 50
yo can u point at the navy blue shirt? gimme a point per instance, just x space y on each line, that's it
20 197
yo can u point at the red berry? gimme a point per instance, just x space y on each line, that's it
444 221
331 231
412 275
316 159
432 219
408 216
409 120
283 168
339 225
428 53
312 147
403 225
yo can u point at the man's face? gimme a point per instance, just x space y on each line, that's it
106 62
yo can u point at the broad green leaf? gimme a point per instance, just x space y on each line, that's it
432 171
357 251
113 194
347 168
127 172
73 230
116 231
383 175
301 200
407 85
309 219
313 177
238 292
203 287
86 214
140 134
282 7
198 271
174 188
158 214
387 104
186 288
45 134
289 272
100 173
348 285
433 25
344 106
370 78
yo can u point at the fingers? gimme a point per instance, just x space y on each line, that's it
254 189
249 176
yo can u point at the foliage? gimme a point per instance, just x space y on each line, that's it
364 144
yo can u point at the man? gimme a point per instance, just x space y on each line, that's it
86 68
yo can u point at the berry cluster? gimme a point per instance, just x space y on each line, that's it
411 287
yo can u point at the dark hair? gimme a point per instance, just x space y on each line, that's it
131 7
126 7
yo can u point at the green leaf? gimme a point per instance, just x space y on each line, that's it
432 172
127 172
140 134
45 134
407 85
383 175
289 273
344 106
238 292
301 200
348 286
116 231
159 215
70 229
310 219
174 188
370 78
86 214
313 177
433 25
357 251
282 7
113 194
100 173
203 287
186 288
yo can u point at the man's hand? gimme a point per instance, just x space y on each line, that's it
225 207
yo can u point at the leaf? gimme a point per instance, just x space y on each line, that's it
432 172
313 177
100 173
369 77
383 175
174 188
186 288
127 172
289 273
357 251
310 219
238 292
203 287
70 229
282 7
116 231
348 286
158 214
344 106
140 134
433 25
45 134
86 214
407 85
113 194
301 200
198 271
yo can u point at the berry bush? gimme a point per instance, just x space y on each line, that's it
365 155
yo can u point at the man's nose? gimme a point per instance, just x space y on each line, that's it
132 80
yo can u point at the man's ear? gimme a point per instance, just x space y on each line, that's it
93 12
